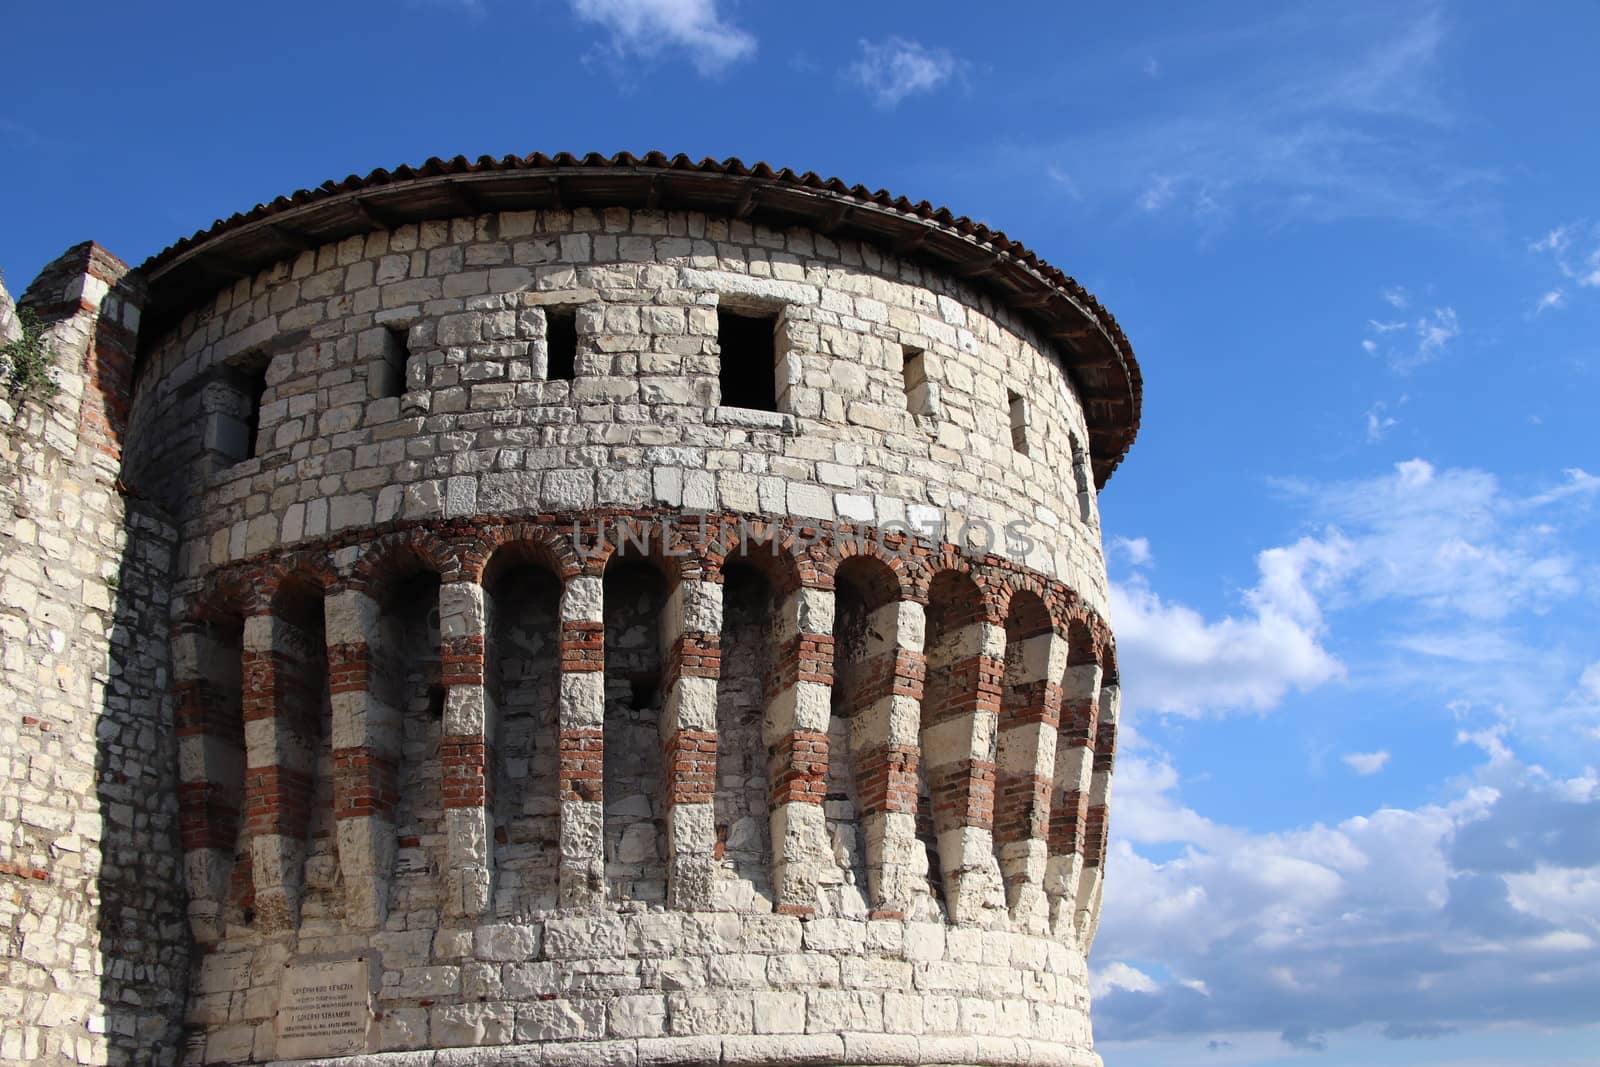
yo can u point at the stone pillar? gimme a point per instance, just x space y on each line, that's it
884 741
1080 701
1025 770
209 726
365 732
691 638
281 709
958 737
581 720
795 731
465 746
1092 880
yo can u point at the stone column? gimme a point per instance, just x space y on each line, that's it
691 638
280 712
1025 770
958 736
209 726
1092 881
795 731
884 741
582 726
1080 701
466 744
365 731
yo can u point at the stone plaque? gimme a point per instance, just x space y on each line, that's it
324 1009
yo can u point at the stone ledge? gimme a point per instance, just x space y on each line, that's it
820 1050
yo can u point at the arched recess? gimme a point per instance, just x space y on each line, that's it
871 801
1075 756
406 677
960 706
289 780
208 719
1030 709
1098 808
635 590
522 605
756 578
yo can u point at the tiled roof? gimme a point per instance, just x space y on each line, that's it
1092 346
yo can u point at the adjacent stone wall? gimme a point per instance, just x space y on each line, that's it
94 956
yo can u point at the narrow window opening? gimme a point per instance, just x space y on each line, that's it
1080 475
915 381
561 344
253 389
748 371
395 367
1019 422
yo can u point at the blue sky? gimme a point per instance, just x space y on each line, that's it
1357 249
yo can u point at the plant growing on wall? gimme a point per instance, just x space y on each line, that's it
27 362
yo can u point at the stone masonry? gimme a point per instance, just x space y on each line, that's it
561 611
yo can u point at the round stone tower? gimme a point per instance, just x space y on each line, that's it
629 611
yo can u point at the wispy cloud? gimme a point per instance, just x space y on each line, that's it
1574 249
1366 763
1320 113
1379 422
647 28
1406 344
895 68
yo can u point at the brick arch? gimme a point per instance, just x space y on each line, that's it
308 572
1083 645
224 594
488 551
770 548
906 579
676 556
395 556
1107 651
1026 612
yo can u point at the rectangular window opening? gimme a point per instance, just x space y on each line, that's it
748 368
561 344
1019 422
915 381
396 362
252 387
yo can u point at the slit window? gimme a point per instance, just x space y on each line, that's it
748 368
914 378
255 390
395 366
561 344
1019 422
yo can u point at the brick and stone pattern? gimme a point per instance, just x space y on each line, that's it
610 722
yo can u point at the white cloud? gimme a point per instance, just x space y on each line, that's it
1555 298
1445 557
1481 908
1366 763
645 28
1396 297
1136 550
1118 975
1175 660
895 68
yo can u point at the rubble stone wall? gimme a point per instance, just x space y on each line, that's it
93 944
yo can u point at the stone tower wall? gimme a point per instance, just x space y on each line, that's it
95 945
600 721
